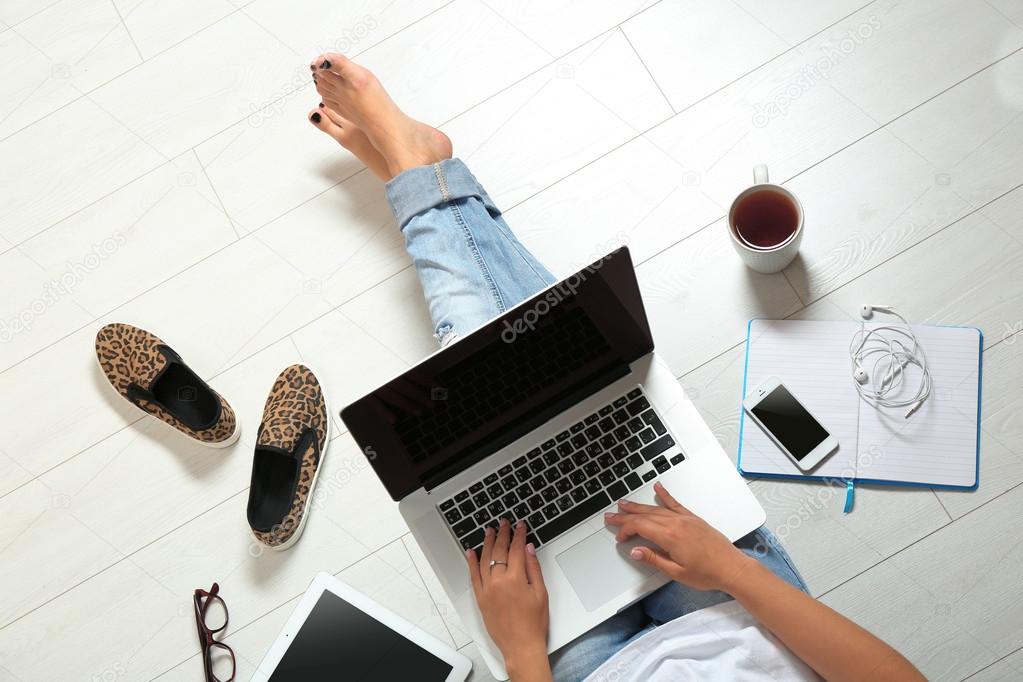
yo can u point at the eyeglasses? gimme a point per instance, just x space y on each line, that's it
211 619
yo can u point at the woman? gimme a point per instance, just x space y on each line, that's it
730 611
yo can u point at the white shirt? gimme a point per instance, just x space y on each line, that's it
722 642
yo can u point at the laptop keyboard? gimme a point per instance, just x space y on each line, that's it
570 477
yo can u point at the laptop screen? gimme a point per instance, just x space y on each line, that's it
504 379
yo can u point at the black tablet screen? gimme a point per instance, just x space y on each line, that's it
340 642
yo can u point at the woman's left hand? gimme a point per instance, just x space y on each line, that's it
512 596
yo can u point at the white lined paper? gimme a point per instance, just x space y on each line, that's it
936 446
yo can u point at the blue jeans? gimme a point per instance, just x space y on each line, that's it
472 268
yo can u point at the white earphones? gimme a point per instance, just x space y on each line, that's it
892 349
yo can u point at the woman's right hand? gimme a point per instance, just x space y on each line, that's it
694 552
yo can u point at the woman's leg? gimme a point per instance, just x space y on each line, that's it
586 653
470 265
674 600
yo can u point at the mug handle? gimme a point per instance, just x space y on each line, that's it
760 174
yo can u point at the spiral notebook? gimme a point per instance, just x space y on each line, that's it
938 446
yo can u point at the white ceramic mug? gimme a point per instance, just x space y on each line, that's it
772 258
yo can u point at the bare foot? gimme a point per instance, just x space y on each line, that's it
355 93
351 138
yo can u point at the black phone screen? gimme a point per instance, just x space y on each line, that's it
789 422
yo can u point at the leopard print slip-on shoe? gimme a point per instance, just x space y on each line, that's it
146 372
290 445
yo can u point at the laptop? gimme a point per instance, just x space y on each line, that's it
551 412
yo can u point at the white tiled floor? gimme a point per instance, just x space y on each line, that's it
155 158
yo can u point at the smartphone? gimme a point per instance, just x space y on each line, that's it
789 424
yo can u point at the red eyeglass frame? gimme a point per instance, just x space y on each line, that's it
202 600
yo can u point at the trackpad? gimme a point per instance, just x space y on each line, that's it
600 569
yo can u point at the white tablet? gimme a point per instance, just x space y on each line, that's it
337 633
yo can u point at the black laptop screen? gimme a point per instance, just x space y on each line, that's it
505 379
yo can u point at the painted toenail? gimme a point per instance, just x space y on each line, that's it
315 118
325 64
321 105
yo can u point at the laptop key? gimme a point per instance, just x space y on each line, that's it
565 449
519 461
621 469
594 449
550 511
452 515
661 464
591 469
481 516
606 477
592 419
523 491
462 496
606 424
579 494
538 483
637 406
509 483
537 465
618 490
577 427
633 444
481 498
572 517
505 470
657 447
562 436
620 417
521 510
467 507
592 486
647 436
549 494
606 410
548 444
563 485
577 476
578 441
476 487
620 401
531 537
535 520
580 458
608 441
619 452
473 539
677 458
463 527
592 432
649 476
622 433
447 504
634 393
490 480
523 474
534 453
635 424
495 490
566 466
510 500
605 461
565 503
550 458
633 480
552 474
634 461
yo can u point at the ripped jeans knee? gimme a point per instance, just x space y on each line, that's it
445 335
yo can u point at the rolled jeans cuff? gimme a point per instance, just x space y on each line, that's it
421 188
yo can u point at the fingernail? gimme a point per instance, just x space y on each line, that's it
325 64
609 515
488 531
636 553
468 552
658 485
530 549
504 522
321 105
623 503
520 523
315 118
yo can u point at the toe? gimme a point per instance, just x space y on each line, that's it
319 119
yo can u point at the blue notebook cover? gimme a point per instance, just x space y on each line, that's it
812 359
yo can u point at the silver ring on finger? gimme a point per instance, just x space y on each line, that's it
497 562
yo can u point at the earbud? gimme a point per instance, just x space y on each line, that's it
860 375
867 310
